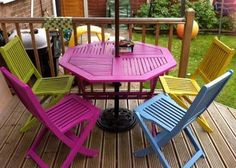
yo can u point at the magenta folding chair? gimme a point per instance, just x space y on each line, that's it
71 111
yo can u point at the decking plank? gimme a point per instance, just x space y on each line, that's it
61 155
217 139
202 162
51 149
109 155
123 146
116 149
7 111
29 163
227 114
225 129
9 124
19 156
233 112
12 141
6 96
169 152
96 141
181 148
79 160
137 141
212 156
152 159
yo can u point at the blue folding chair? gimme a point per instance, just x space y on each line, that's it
172 118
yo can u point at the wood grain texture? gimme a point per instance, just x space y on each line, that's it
5 96
115 150
72 8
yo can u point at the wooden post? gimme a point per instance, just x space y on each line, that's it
183 64
157 33
4 29
50 56
34 45
75 34
88 33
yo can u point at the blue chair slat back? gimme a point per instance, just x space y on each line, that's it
206 96
158 110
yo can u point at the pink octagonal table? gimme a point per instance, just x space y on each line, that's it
96 63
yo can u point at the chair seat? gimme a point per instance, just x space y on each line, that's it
53 85
179 86
162 110
70 111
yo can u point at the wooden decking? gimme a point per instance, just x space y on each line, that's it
116 149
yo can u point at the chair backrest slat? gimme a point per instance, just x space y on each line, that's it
215 61
18 60
204 98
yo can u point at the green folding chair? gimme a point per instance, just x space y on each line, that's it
51 89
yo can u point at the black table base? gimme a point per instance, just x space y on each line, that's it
110 121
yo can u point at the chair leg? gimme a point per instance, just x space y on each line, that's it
88 152
69 158
179 101
74 151
158 152
83 150
203 123
199 152
78 146
72 154
142 152
39 138
154 145
154 130
32 151
28 124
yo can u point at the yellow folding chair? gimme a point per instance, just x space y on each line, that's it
214 64
20 64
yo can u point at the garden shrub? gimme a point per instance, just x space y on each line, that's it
160 8
204 12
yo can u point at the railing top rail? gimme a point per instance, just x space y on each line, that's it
93 20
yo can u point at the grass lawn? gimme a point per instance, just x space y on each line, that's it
199 46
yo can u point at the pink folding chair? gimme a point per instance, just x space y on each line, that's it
59 119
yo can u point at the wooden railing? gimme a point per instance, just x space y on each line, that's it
18 22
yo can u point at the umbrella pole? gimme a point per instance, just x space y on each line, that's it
117 28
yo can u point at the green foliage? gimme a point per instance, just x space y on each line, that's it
160 8
227 23
205 14
143 11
